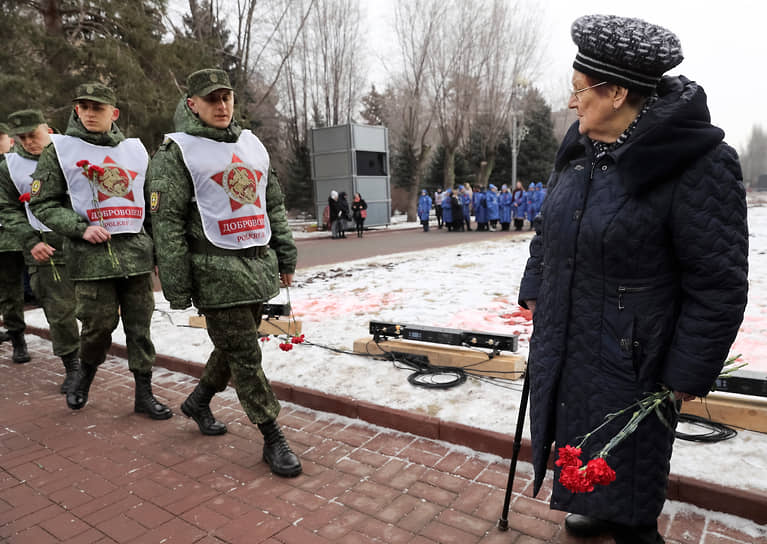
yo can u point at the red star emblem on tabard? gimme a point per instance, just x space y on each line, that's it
116 181
240 183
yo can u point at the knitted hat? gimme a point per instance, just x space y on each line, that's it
24 121
204 82
95 92
629 52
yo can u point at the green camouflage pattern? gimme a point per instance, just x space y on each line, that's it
95 92
101 304
209 281
204 82
14 218
52 206
24 121
57 297
234 332
12 290
8 241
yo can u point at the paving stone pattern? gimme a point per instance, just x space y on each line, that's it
105 475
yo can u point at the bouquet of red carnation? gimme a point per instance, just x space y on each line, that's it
93 173
581 479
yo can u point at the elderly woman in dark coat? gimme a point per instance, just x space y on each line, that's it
638 271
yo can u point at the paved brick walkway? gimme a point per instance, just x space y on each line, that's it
105 475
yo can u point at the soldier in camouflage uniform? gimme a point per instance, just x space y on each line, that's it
11 276
109 255
6 142
43 249
215 205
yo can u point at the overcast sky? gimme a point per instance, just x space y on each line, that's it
724 44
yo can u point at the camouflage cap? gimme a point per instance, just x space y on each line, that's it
25 121
4 129
95 92
204 82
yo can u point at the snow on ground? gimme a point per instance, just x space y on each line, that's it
470 287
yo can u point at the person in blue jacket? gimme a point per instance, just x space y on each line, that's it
504 211
530 211
492 206
519 205
480 208
447 209
465 198
424 209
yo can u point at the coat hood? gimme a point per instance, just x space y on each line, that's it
185 120
76 128
669 137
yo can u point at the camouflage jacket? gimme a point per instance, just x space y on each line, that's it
52 206
209 281
14 218
8 241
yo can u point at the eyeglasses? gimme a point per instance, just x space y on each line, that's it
576 92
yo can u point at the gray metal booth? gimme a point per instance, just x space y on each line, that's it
355 159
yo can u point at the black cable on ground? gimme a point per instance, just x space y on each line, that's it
717 432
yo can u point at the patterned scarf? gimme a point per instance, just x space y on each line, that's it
601 148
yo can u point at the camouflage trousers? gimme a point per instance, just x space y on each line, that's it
237 355
101 304
57 297
12 290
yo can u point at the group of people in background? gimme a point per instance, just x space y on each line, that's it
339 213
490 207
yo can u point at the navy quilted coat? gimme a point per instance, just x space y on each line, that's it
639 268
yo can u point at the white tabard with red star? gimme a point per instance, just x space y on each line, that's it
116 200
21 170
230 188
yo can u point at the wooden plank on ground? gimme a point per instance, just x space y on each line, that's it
505 365
733 410
268 326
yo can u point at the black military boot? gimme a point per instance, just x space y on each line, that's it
197 406
145 401
77 396
71 365
281 459
20 353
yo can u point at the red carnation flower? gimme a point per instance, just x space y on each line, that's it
286 346
569 457
575 479
82 164
599 472
264 338
297 339
95 169
24 198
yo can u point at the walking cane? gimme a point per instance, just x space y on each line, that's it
503 523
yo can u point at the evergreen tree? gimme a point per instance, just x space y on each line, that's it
374 112
539 147
435 174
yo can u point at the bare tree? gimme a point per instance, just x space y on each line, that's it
509 34
457 63
416 25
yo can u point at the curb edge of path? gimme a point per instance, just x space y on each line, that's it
744 503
